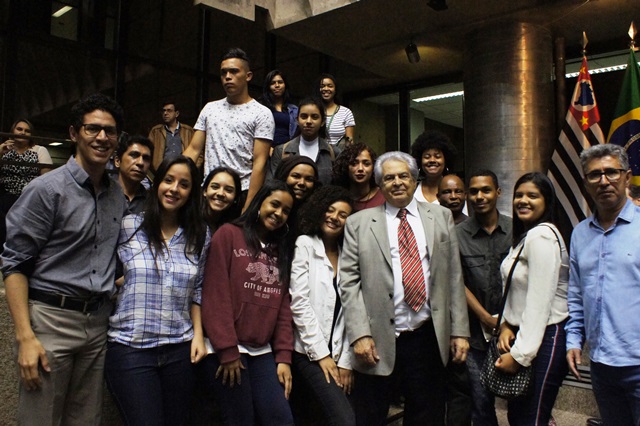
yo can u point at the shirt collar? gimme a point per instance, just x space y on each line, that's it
627 213
82 177
475 227
412 209
169 130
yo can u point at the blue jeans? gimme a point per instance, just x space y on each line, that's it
151 386
617 391
550 368
259 399
311 388
483 412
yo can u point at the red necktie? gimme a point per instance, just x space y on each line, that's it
412 276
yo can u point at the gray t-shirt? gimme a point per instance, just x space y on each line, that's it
231 130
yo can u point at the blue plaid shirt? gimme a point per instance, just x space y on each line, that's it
154 304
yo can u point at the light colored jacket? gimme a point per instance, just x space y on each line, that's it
313 300
366 283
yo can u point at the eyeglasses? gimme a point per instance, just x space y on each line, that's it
613 175
94 130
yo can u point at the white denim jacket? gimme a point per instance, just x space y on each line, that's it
313 301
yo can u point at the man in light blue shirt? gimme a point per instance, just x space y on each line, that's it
604 287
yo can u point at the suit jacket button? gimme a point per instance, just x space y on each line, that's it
390 295
392 321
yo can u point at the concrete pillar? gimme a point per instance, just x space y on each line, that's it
508 106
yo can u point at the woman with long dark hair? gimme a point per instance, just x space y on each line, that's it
532 333
341 126
353 170
322 357
246 312
221 191
312 141
155 333
276 97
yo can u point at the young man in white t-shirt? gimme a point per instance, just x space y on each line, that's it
235 131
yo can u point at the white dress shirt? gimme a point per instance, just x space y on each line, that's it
406 319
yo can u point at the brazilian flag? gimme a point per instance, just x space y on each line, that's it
625 127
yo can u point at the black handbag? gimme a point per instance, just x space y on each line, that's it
504 385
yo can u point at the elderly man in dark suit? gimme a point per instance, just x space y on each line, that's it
403 297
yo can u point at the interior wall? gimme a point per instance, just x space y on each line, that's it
370 124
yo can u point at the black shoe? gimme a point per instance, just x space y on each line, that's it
594 421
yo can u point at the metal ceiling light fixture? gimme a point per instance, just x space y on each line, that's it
412 52
437 5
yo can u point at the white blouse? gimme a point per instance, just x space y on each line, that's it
538 294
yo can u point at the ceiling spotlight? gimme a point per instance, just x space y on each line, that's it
438 5
412 53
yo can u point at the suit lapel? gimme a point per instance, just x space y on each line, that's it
379 230
428 223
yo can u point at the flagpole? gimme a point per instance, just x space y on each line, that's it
625 126
561 82
581 130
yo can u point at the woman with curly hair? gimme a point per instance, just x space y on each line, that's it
155 334
353 170
275 96
435 155
321 359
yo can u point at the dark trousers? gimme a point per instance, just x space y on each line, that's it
421 378
259 399
617 391
313 400
483 411
151 386
550 368
458 395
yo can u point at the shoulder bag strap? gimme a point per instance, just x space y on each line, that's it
557 238
503 302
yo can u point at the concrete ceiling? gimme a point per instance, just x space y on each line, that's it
371 35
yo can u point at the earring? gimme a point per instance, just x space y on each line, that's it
258 218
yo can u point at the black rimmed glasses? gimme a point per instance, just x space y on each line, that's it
94 130
613 175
